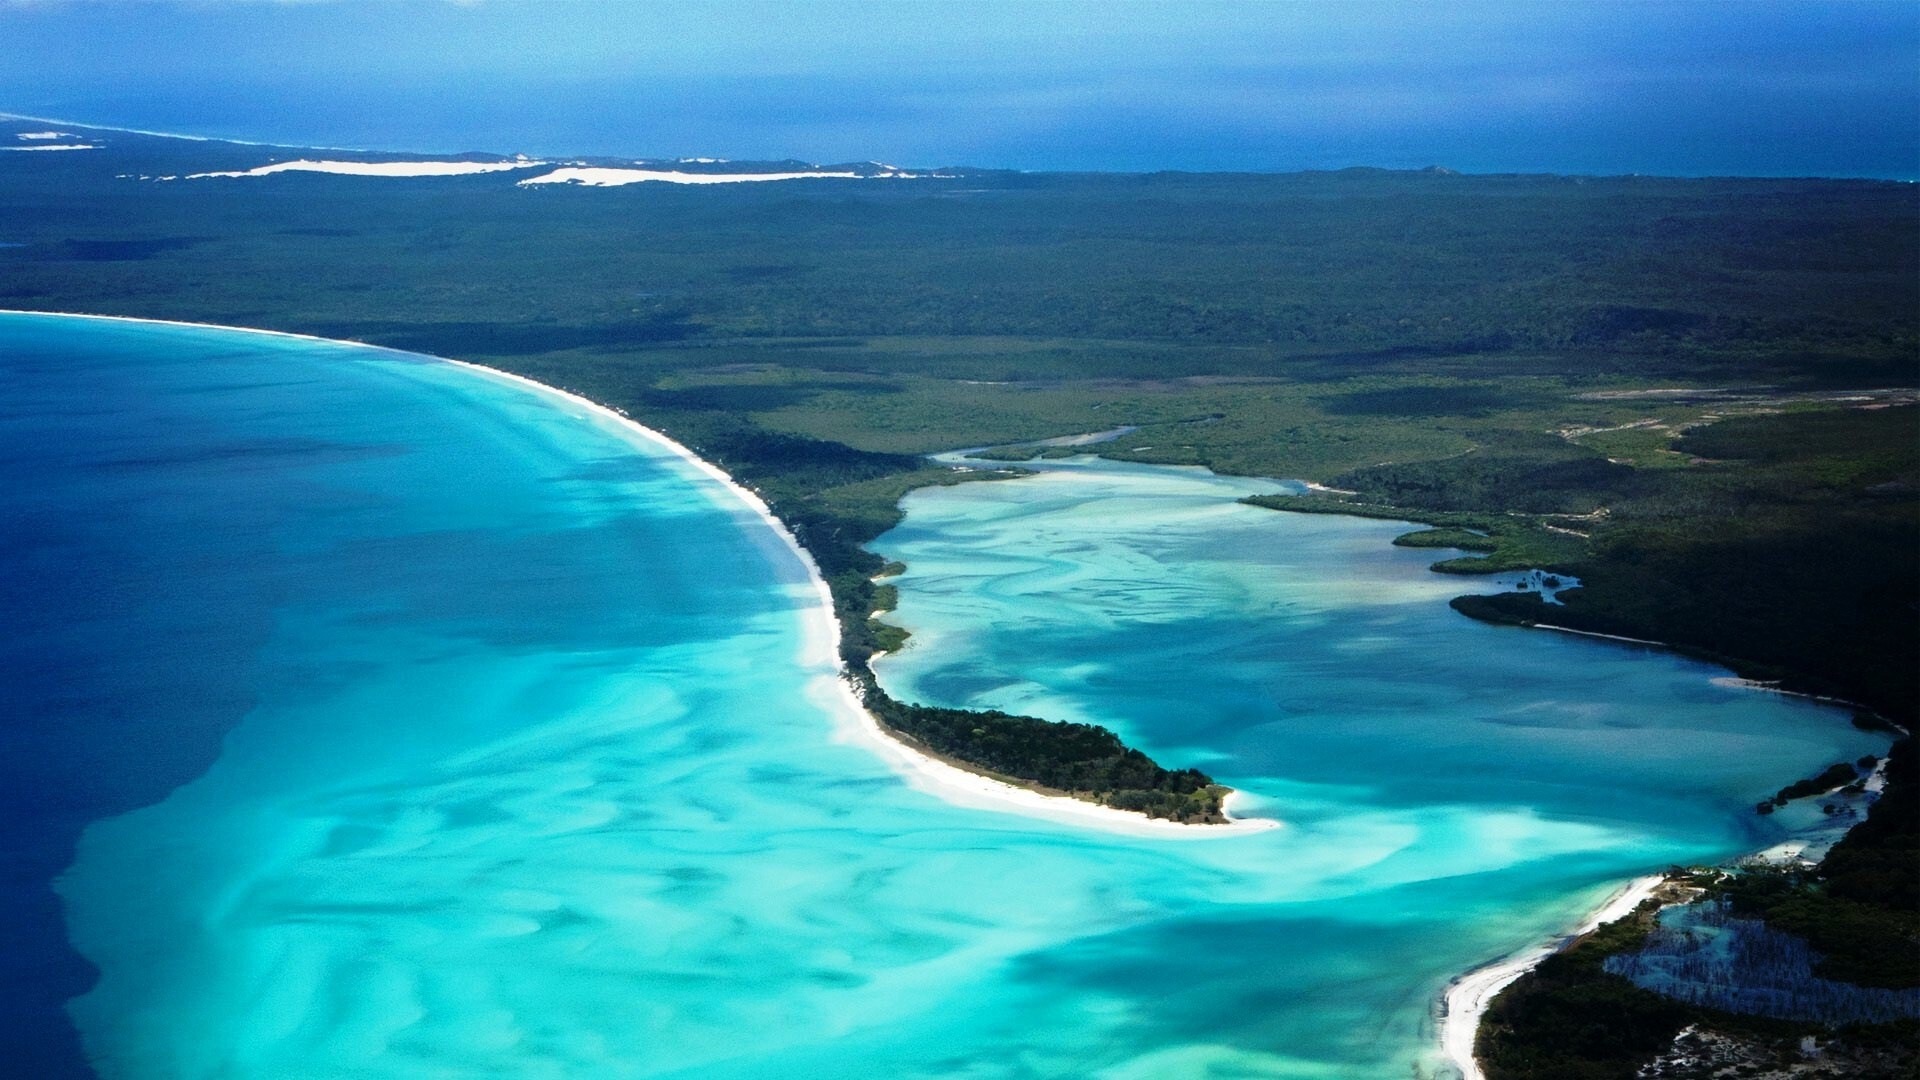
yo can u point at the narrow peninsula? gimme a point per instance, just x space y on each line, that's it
1082 761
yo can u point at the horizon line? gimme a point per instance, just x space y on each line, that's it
1433 168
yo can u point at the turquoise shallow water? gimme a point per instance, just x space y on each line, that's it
431 726
1451 789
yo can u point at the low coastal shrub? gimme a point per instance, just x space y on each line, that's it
1077 759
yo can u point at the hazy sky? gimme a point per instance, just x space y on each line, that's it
1677 87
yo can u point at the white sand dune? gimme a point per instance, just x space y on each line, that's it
608 177
378 168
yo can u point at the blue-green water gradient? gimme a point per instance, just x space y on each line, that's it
384 719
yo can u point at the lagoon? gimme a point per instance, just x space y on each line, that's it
379 717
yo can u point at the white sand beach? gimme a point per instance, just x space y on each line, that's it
584 176
1602 637
376 168
1467 997
855 724
1735 682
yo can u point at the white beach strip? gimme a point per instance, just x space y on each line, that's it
49 146
130 131
378 168
607 177
178 135
1603 637
1468 996
1734 682
822 633
46 135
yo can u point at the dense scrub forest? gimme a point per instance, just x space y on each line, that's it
1857 912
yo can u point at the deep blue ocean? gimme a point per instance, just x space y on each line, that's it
372 716
1786 88
1712 133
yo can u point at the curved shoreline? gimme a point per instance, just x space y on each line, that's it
1729 681
189 138
835 692
1464 1004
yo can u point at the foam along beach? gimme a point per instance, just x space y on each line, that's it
373 168
832 688
583 176
1467 998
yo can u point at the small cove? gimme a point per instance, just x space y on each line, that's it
1306 661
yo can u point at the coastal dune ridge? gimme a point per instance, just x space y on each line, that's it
376 168
586 176
833 688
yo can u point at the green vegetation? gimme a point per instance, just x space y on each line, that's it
1509 541
1860 907
1788 556
1853 935
1078 759
1873 863
1569 1019
1836 775
1462 539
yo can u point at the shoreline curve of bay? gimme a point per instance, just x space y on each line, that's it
854 723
